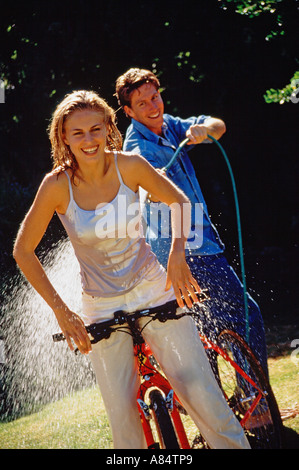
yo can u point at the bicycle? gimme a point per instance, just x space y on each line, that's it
243 383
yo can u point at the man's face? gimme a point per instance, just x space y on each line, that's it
147 107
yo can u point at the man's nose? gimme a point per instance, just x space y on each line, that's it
153 106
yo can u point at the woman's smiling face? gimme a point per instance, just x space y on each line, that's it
85 133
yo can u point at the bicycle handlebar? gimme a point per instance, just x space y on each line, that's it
102 330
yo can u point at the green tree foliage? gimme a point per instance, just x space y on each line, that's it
284 22
289 93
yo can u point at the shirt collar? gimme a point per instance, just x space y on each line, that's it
149 135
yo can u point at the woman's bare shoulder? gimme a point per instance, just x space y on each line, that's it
55 181
135 169
54 188
130 159
56 175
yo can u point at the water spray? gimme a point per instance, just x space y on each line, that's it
34 372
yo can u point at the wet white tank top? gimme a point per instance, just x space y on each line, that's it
109 242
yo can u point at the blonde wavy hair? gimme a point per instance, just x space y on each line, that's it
62 156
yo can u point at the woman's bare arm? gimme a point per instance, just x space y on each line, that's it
48 199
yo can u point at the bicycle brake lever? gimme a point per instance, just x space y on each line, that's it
58 337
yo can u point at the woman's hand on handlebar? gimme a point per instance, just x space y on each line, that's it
73 328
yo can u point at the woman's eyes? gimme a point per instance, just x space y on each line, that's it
95 129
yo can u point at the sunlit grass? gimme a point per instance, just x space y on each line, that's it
284 377
79 421
75 422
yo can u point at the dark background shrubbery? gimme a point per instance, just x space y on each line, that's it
210 60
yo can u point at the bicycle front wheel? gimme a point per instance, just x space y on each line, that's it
254 405
165 430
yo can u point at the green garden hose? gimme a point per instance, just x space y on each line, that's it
242 264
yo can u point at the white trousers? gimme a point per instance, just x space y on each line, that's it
178 349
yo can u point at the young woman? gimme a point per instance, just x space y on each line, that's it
94 188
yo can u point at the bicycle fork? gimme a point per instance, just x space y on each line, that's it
153 379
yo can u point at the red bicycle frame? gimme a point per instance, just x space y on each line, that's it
152 378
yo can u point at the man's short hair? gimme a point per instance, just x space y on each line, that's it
130 81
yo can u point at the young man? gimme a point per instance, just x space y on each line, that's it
156 135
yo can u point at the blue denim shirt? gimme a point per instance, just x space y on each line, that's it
204 238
